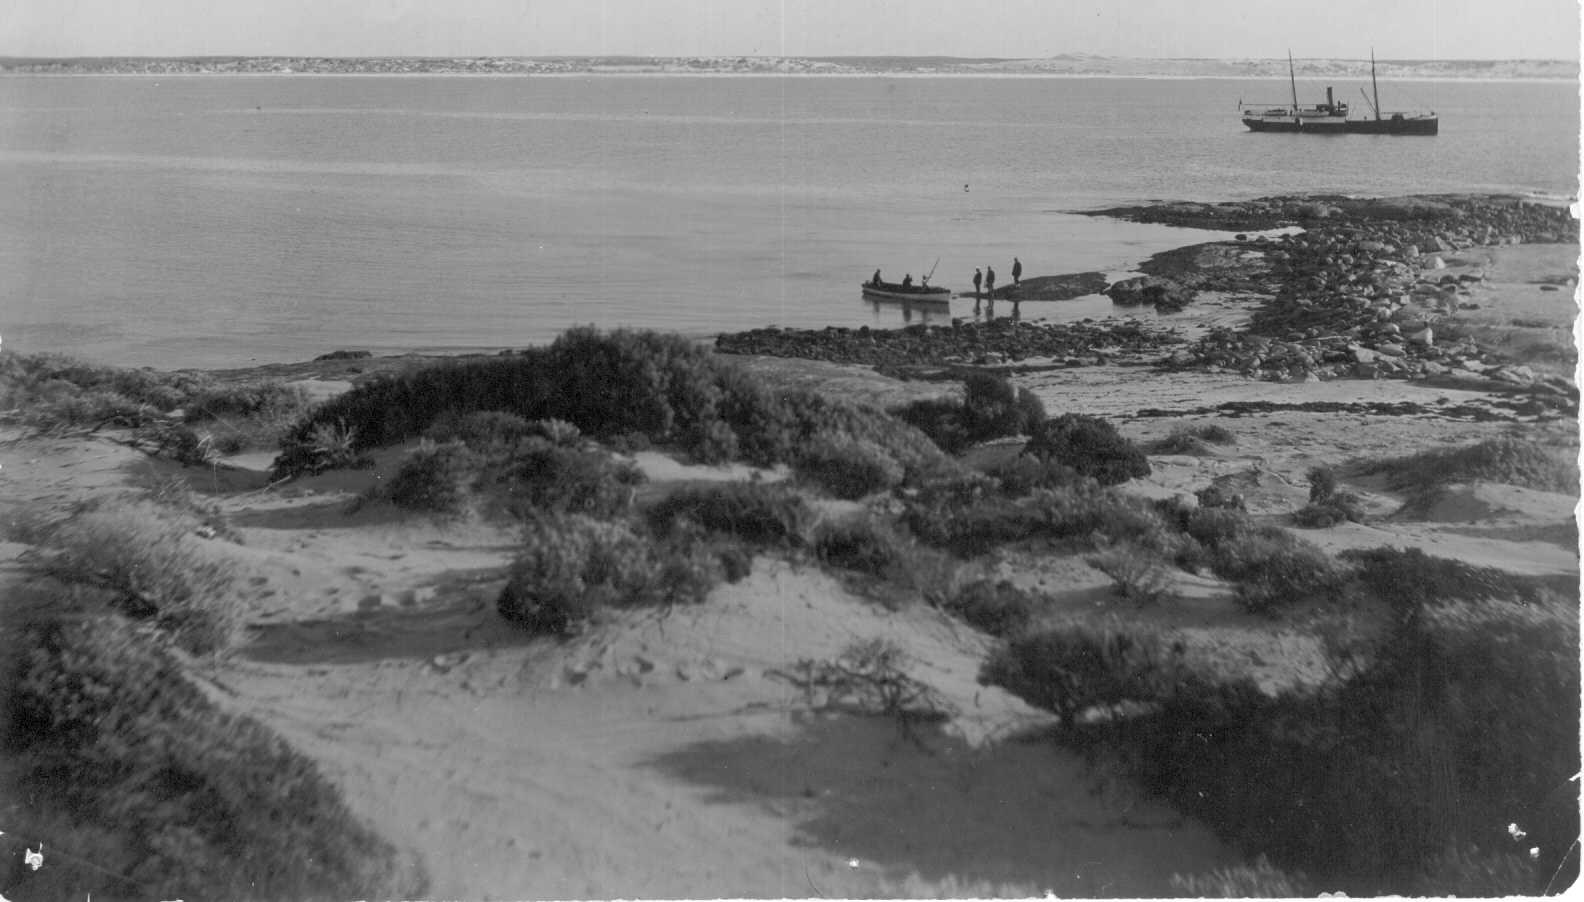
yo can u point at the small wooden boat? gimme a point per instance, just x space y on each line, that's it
896 291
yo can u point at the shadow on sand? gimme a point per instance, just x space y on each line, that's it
1015 813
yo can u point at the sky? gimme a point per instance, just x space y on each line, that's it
1395 29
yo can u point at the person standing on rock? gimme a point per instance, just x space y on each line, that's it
990 282
1017 270
978 279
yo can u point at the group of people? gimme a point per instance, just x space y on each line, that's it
907 280
987 278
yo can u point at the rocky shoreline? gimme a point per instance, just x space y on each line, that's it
1362 291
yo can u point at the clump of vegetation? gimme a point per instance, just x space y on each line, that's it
1141 576
998 607
1023 475
848 468
1080 665
1505 459
435 478
1216 496
863 544
991 408
761 514
977 524
1193 439
169 797
56 393
482 430
624 386
1417 770
1327 506
146 562
573 566
1090 446
1273 568
540 475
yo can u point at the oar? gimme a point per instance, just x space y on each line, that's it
932 270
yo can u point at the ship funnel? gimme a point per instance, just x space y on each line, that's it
1329 101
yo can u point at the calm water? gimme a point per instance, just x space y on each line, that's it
213 221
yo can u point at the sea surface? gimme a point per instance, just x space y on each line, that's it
219 221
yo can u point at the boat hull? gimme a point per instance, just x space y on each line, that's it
1397 125
915 293
1320 126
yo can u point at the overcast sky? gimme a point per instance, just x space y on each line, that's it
1396 29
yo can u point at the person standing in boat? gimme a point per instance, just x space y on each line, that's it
978 279
990 282
1017 270
907 281
876 280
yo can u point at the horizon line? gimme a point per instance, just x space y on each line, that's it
665 56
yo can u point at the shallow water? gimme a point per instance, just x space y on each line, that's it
202 221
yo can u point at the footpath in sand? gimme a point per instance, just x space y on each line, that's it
668 754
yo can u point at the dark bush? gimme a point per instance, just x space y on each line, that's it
1022 475
1077 666
182 799
482 430
757 513
863 544
540 476
435 478
1273 568
995 606
941 419
848 468
1322 484
1341 507
1089 445
1411 774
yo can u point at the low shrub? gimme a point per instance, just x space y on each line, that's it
1508 459
1342 507
573 566
1411 579
1216 496
761 514
1193 439
993 408
1141 577
941 419
863 544
539 475
1272 568
1081 510
997 607
1089 445
147 560
1077 666
154 783
1023 475
436 478
848 468
1424 769
482 430
1322 484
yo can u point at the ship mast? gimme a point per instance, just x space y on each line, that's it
1374 84
1294 79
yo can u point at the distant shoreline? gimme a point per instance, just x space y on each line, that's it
1545 70
645 73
